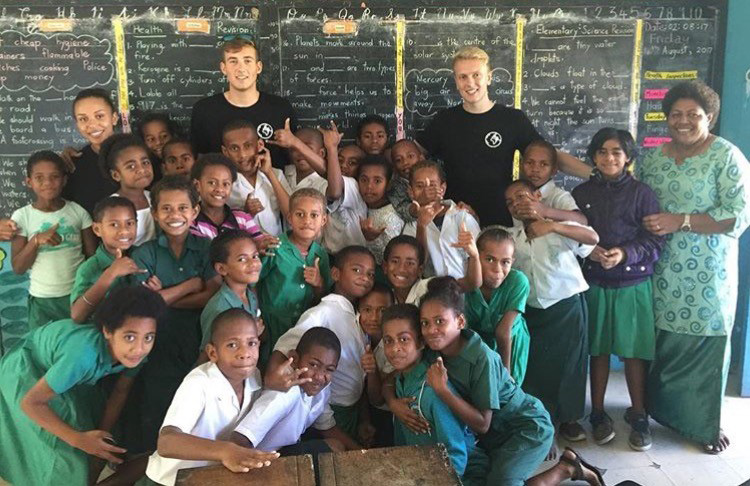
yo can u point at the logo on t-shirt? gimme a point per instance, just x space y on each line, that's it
265 131
493 139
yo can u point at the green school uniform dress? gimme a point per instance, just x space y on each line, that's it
282 291
223 300
483 317
445 428
695 286
521 431
71 358
176 348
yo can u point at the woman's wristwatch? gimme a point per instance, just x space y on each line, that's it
686 226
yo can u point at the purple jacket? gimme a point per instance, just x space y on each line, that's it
615 210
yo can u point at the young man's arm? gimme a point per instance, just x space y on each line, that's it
573 165
283 137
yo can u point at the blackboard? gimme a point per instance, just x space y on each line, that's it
378 58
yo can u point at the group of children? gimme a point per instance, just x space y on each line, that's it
338 304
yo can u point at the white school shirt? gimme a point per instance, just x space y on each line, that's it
342 228
444 258
278 418
551 265
204 406
314 180
417 291
145 229
336 313
270 219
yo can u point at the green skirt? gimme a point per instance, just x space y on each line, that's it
28 453
686 383
558 358
621 321
347 418
47 309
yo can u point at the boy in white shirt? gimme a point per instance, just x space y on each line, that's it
555 310
353 273
439 222
278 419
209 404
259 189
307 154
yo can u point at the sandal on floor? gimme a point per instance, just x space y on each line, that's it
579 463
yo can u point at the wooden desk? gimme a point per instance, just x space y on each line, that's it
391 466
285 471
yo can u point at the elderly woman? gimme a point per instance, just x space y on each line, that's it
703 185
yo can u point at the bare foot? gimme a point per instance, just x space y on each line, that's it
719 445
571 462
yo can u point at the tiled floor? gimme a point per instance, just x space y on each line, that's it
672 461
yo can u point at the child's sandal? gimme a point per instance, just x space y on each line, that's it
579 463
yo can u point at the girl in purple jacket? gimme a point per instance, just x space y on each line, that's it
619 272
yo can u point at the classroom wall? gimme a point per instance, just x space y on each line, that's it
735 126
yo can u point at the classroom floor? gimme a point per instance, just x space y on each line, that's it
672 461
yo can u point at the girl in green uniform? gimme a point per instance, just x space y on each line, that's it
495 310
513 428
48 413
403 347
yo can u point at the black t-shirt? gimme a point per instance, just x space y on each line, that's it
477 152
87 185
211 114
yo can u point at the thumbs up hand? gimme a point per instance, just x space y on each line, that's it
437 377
123 266
368 361
466 241
312 274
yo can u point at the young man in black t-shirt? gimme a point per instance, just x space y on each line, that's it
241 65
477 139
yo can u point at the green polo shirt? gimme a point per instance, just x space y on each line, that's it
483 317
90 271
222 300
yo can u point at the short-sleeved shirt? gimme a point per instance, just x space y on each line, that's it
145 230
270 219
90 271
336 313
477 151
222 300
233 219
210 116
444 258
313 180
483 317
87 185
278 419
551 265
282 291
445 427
54 269
344 215
205 406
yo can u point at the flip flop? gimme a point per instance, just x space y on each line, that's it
579 463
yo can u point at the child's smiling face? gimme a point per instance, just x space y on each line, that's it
611 159
130 343
371 308
402 345
402 268
356 276
214 185
321 363
175 213
241 146
441 325
243 262
156 133
117 229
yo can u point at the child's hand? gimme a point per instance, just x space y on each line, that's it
425 214
267 244
99 443
462 205
312 274
401 409
598 254
285 376
153 283
123 266
368 361
437 376
466 242
8 229
366 434
331 136
240 459
612 258
530 209
253 205
539 228
369 230
283 137
263 158
68 154
49 237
